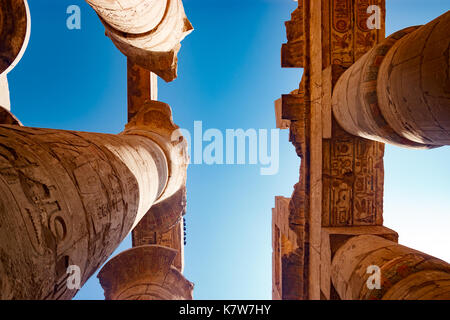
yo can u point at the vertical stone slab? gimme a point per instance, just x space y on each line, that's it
341 176
353 167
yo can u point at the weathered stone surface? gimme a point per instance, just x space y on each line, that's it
399 92
15 26
353 176
405 273
148 32
341 176
144 273
145 234
285 276
69 198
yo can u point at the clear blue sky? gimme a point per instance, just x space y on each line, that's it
229 76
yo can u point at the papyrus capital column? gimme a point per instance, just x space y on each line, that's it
405 274
148 32
144 273
69 198
399 92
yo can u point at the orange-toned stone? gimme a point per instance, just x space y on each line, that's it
144 273
148 32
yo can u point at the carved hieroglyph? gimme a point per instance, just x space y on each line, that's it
148 32
341 176
69 198
399 91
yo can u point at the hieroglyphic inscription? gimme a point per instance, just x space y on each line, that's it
67 199
353 170
353 180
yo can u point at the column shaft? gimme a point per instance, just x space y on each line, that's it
69 198
405 274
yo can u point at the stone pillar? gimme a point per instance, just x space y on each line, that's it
145 273
399 91
70 198
15 28
406 274
148 32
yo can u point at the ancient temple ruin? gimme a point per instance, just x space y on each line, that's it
69 198
359 90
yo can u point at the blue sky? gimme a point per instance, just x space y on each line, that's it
229 76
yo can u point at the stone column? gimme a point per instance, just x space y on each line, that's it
286 271
399 92
406 274
145 273
148 32
15 28
70 198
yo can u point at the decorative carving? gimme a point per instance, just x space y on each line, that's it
69 198
353 178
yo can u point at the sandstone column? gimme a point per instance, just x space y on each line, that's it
406 274
70 198
145 273
148 32
159 234
399 92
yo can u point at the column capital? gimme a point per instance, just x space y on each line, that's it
145 273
